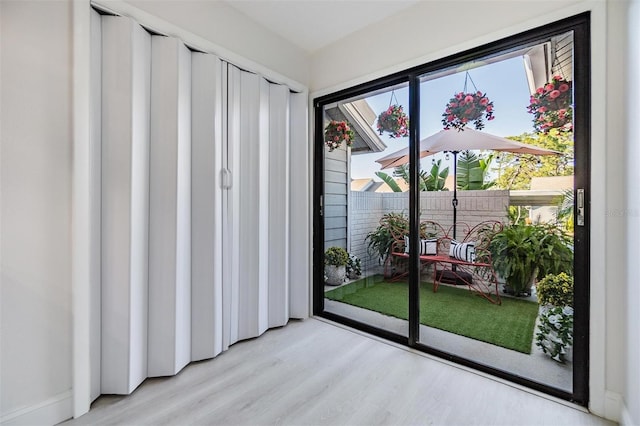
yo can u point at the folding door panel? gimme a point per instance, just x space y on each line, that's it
125 182
206 202
278 190
170 208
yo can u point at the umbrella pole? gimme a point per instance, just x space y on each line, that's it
454 202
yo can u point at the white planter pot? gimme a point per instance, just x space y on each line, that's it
335 274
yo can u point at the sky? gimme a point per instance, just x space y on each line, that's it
504 83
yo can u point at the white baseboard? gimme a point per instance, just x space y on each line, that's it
612 405
48 412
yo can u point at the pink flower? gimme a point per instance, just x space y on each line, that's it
468 99
459 95
479 93
491 117
540 90
468 111
484 101
450 117
563 87
554 94
549 87
335 138
489 108
453 104
542 109
562 112
557 78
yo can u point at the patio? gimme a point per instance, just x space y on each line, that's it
534 366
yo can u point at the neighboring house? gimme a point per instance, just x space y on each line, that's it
361 117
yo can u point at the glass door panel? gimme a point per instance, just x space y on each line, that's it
500 132
365 209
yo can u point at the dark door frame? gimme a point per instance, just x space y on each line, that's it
580 25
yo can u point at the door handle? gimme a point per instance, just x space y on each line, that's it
226 178
580 207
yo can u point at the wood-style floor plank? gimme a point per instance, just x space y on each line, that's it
315 373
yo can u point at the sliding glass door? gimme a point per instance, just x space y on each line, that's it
479 161
365 209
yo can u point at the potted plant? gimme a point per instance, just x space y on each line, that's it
465 108
336 133
522 253
354 267
555 326
394 121
551 106
335 263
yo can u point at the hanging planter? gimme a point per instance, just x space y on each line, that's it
467 107
336 133
551 106
394 121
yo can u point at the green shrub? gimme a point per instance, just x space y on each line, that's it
556 290
336 256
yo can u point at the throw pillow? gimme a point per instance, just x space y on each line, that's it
428 246
463 251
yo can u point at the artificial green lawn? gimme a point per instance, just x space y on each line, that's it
456 310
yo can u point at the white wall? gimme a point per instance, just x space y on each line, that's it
432 30
632 394
228 28
428 30
35 201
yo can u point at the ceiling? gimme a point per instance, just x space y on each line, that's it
313 24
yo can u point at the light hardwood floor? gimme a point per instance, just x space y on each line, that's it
315 373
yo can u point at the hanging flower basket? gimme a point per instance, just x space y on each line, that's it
336 133
465 108
394 121
551 106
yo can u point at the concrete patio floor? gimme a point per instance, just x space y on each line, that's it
535 366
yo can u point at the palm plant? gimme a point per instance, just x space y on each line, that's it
565 209
472 171
432 181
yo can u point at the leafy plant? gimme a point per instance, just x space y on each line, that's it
565 209
555 332
389 181
472 171
516 170
432 181
380 240
518 251
555 290
435 179
336 256
354 267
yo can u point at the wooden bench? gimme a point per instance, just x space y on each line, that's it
476 271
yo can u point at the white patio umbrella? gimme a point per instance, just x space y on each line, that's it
454 141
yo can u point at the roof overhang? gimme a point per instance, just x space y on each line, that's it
360 117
